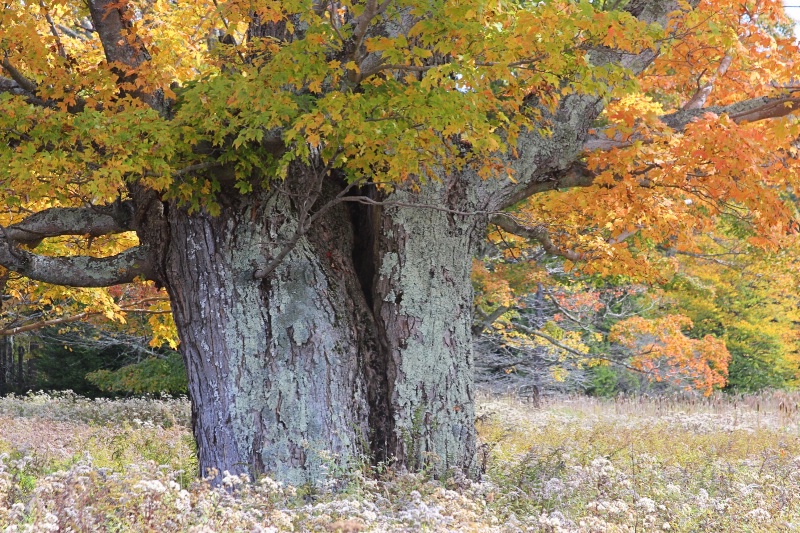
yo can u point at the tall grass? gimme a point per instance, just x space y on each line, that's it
575 464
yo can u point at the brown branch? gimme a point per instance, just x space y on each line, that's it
24 83
488 320
304 221
538 233
112 20
80 316
61 51
575 175
753 110
541 234
573 351
362 22
698 100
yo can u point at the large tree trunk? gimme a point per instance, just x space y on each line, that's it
357 346
275 365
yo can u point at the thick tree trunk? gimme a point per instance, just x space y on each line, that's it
423 309
275 365
356 347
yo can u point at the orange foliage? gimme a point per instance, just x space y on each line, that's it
667 354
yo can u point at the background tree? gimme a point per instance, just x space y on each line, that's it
310 188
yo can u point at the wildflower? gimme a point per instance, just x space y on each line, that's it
271 484
758 515
151 485
553 487
646 504
230 480
282 520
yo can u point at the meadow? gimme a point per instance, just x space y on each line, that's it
571 464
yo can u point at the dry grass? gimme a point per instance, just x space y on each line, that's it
573 465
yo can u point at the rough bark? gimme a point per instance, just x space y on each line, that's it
76 271
422 300
93 221
275 365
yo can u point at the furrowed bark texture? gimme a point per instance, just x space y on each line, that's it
357 345
274 365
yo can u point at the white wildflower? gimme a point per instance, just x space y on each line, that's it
646 504
553 487
50 523
758 515
282 520
151 485
230 480
183 501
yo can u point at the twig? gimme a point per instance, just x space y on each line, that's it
86 314
61 51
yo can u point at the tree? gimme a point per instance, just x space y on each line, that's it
309 182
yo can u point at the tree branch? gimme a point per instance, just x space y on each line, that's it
487 320
698 100
538 233
112 19
57 221
78 271
752 110
130 308
24 83
573 351
53 29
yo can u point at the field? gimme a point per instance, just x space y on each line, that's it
571 465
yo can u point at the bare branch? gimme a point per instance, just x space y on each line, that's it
72 33
53 29
77 271
487 320
57 221
573 351
698 100
304 223
130 308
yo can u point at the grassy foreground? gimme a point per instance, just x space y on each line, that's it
573 465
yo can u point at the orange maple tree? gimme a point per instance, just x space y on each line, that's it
688 145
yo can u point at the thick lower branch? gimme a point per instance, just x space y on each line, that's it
57 221
78 271
752 110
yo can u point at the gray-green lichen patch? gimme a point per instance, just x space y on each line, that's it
432 356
